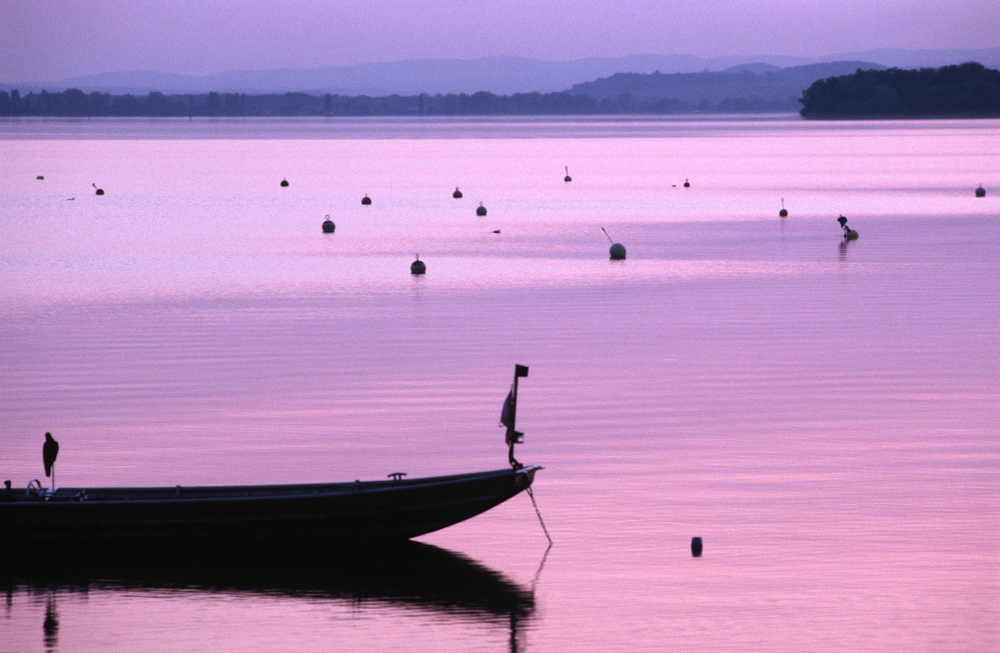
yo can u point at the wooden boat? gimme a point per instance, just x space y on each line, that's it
333 513
260 515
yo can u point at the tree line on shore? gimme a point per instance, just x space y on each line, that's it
965 90
76 103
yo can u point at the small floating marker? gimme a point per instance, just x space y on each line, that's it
328 226
366 200
481 211
100 191
418 267
284 183
617 250
567 177
457 194
687 184
783 213
696 547
980 192
849 234
496 231
40 177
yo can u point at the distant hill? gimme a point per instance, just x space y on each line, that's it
498 75
968 90
754 88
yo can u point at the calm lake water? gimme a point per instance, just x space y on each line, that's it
824 414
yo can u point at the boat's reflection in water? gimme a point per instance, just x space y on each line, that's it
406 574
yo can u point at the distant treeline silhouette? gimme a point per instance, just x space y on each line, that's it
74 102
967 90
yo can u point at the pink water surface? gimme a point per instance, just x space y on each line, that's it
823 414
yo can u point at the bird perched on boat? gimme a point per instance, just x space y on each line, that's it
49 452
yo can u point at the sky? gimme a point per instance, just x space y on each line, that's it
50 40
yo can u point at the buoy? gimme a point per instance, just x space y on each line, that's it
100 191
617 250
366 200
567 177
849 234
496 231
696 547
783 213
284 183
980 192
687 184
481 211
328 226
418 267
457 194
40 177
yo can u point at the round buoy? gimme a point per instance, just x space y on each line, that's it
457 194
284 183
850 234
696 547
328 226
980 192
418 267
783 213
481 211
687 184
366 200
100 191
617 252
40 177
567 177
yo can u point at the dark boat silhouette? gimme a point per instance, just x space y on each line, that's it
257 515
331 513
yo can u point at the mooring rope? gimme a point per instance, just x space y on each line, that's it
539 513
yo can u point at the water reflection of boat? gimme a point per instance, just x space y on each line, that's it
405 573
401 574
328 514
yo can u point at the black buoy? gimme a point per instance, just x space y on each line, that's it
980 192
567 177
49 452
617 250
687 184
457 194
100 191
366 200
481 211
496 231
328 226
418 267
40 177
696 547
849 234
783 213
284 183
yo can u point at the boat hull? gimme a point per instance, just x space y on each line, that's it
312 514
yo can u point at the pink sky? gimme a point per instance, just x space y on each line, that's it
52 40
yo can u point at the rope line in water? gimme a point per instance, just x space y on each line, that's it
539 513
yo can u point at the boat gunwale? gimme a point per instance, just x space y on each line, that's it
201 493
